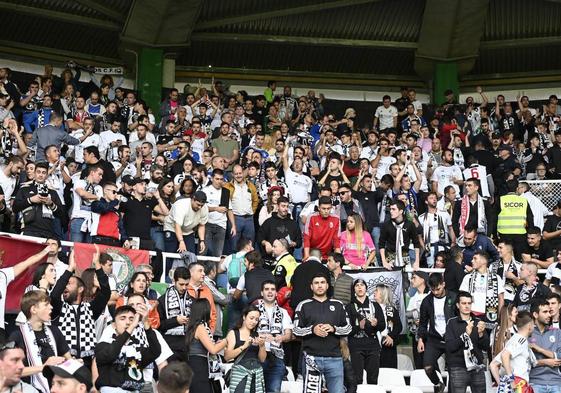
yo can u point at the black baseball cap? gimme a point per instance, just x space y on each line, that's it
70 368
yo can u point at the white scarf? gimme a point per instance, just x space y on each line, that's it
33 354
398 243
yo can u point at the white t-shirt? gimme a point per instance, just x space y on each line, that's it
213 197
129 170
434 232
7 275
55 182
445 175
8 184
82 208
386 116
299 186
106 138
520 360
384 166
165 354
480 290
439 317
478 172
91 140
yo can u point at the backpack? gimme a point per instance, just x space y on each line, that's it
236 269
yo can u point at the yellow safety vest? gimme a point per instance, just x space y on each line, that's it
512 218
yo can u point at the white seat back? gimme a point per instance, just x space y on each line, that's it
391 377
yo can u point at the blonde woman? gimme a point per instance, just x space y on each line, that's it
390 335
356 244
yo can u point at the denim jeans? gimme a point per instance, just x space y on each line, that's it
376 239
273 370
245 228
157 235
461 378
214 239
76 234
546 388
171 244
332 370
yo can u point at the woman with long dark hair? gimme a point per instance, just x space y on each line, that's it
138 285
167 193
202 349
367 319
44 278
244 343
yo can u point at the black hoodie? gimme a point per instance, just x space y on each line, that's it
277 228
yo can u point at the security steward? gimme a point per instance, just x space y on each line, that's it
514 216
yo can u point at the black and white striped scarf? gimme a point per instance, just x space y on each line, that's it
492 294
81 339
175 305
273 327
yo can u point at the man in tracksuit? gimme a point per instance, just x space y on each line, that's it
322 322
436 309
466 335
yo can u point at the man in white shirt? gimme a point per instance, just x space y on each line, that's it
84 192
123 165
220 211
59 175
447 174
437 229
386 115
92 139
110 141
186 215
52 257
244 199
486 288
9 176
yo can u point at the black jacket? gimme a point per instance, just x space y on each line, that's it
275 228
302 279
254 278
388 235
312 312
113 369
426 324
369 201
367 337
455 345
523 301
38 225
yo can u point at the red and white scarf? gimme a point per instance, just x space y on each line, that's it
465 211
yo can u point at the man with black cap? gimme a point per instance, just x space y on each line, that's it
137 213
70 376
11 368
186 215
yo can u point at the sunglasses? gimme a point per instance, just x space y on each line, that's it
8 345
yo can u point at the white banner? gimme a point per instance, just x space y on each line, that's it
109 70
393 279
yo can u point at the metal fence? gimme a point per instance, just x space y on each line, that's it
548 191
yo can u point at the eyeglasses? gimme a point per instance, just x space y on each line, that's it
112 191
344 192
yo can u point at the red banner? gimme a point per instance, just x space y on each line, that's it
124 261
15 251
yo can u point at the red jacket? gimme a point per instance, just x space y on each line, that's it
322 233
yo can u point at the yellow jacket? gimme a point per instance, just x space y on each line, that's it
252 189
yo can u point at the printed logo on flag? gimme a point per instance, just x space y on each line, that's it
123 269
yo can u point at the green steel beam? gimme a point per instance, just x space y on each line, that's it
150 77
108 12
320 6
299 40
61 16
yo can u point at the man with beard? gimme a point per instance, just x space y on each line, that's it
174 307
396 236
280 226
110 141
75 317
447 174
438 234
122 164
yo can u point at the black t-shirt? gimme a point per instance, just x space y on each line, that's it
138 216
553 224
543 252
45 349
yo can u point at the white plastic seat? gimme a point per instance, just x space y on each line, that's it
370 389
406 389
289 375
292 387
404 362
420 380
391 377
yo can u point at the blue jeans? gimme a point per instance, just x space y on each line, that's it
171 243
273 370
157 235
546 388
376 239
332 370
76 235
245 228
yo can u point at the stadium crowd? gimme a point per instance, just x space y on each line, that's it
288 198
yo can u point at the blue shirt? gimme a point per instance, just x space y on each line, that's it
549 340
